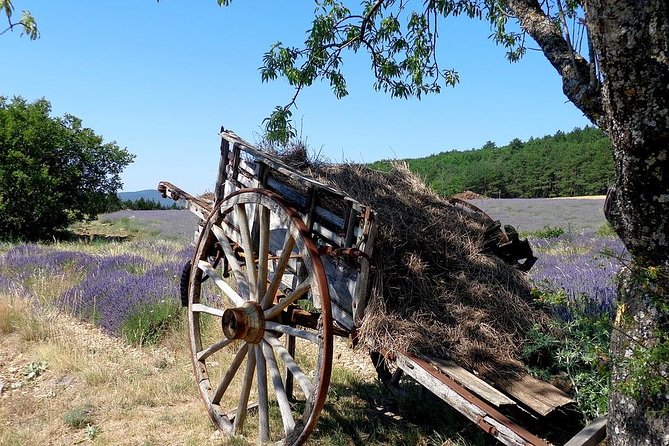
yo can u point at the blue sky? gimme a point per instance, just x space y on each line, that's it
161 78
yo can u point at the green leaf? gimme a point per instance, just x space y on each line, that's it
278 126
7 6
29 25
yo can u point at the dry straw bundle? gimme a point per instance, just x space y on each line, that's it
434 292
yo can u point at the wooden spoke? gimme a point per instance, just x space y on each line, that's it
229 374
202 308
273 326
301 290
290 363
207 352
222 284
247 245
263 404
240 417
263 251
240 276
279 389
287 249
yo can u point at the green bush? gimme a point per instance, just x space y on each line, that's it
149 323
549 232
79 417
573 346
53 170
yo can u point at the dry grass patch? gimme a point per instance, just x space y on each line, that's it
19 315
131 396
11 316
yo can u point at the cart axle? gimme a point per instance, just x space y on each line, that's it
246 322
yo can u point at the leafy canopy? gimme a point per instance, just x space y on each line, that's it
53 171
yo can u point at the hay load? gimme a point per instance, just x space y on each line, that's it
434 290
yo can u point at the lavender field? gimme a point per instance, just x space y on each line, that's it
532 214
582 261
109 281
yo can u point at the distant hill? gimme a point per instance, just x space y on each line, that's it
561 165
147 194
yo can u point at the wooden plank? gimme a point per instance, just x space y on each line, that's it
591 435
326 223
342 279
362 285
540 396
219 189
471 382
465 402
292 195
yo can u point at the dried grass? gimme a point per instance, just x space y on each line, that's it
435 292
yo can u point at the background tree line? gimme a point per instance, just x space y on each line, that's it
560 165
141 204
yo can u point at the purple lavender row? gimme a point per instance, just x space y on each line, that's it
105 290
583 266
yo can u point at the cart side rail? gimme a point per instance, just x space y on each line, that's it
230 139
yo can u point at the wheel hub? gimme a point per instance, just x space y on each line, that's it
246 322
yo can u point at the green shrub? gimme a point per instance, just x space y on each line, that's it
91 432
549 232
574 346
35 369
79 417
148 323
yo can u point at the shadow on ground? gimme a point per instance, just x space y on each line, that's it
369 413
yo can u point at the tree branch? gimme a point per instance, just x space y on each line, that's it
10 27
368 17
575 71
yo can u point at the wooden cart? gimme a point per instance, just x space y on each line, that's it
281 264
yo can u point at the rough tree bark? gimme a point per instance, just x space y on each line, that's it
630 41
637 414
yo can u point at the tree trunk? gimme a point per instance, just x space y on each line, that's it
639 402
631 43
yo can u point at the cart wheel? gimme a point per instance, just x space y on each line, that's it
275 272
